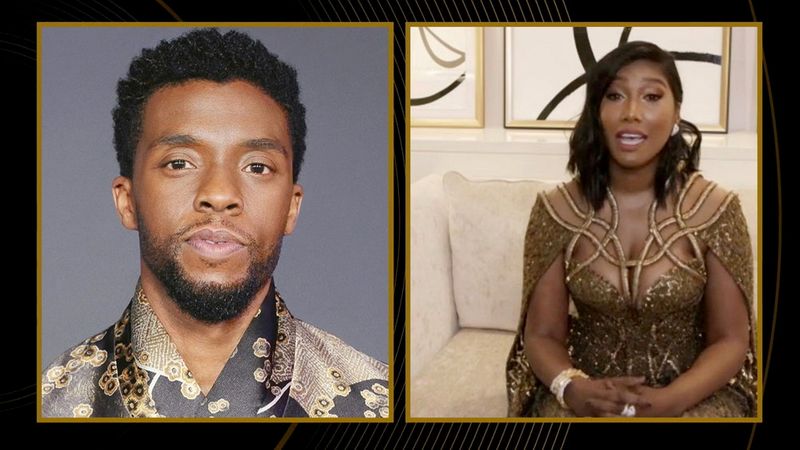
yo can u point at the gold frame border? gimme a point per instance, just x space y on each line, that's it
759 332
389 26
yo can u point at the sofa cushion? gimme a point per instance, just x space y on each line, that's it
466 378
488 220
433 319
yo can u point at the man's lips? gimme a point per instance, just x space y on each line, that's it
215 243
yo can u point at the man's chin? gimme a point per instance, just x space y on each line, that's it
211 293
211 301
204 268
216 281
201 272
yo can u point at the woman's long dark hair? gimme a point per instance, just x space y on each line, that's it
588 149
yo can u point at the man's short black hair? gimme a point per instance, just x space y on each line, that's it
205 54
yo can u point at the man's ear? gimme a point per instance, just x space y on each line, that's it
294 209
122 189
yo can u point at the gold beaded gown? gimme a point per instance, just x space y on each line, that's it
642 314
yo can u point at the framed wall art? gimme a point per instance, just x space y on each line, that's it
545 70
446 76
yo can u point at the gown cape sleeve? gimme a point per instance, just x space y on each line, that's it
726 236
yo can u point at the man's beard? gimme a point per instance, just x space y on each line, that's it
206 301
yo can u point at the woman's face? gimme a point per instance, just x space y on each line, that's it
638 112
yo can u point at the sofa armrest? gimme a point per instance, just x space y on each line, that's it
433 311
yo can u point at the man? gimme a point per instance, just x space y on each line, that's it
210 137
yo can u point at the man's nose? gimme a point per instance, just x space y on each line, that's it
219 191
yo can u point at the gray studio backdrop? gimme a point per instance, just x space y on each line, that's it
333 270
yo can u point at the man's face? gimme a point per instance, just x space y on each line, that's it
212 194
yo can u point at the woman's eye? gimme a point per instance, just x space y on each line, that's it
653 97
613 96
258 168
179 164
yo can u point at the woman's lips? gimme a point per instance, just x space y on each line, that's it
215 244
630 140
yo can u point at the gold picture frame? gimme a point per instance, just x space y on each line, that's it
445 75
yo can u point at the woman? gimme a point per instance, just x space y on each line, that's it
655 258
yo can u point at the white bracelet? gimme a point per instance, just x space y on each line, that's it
561 381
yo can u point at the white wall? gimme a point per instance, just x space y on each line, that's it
496 152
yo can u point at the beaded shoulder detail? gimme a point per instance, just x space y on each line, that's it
699 205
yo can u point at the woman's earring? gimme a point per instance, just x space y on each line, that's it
675 130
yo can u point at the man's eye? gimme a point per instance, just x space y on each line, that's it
179 164
258 168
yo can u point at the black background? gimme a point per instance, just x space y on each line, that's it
19 185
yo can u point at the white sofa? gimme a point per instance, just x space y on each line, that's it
466 282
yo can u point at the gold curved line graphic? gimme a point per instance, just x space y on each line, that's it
169 10
780 243
780 232
286 436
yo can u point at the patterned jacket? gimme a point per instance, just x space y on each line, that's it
282 367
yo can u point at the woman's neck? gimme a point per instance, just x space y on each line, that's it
632 182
